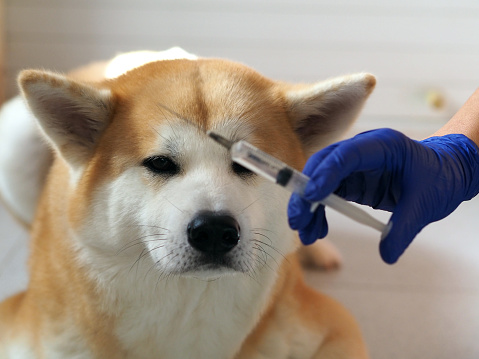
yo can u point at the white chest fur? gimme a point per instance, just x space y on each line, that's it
193 318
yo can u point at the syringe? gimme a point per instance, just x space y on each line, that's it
279 172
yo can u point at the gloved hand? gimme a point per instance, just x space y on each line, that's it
419 181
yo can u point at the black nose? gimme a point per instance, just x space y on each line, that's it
212 233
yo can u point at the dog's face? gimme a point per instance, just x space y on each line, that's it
150 192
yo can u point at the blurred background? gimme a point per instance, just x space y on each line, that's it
425 55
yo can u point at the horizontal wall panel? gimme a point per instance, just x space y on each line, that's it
375 7
305 28
447 69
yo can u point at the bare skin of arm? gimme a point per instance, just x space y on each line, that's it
465 121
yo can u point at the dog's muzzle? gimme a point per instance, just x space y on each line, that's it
213 234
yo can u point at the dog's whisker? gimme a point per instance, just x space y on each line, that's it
183 118
251 273
258 254
248 206
182 211
270 246
142 255
256 259
158 133
137 261
259 229
145 236
255 274
253 277
262 251
127 247
149 226
149 251
168 275
156 248
155 264
159 235
141 241
153 235
265 258
175 134
259 243
264 236
137 244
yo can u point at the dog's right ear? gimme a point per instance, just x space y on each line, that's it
72 115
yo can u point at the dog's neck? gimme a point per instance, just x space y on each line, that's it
184 315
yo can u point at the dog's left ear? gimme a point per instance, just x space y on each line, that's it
72 115
322 112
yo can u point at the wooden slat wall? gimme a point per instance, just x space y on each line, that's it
414 47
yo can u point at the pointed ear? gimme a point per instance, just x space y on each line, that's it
72 115
322 112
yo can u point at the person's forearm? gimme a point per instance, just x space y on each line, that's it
465 121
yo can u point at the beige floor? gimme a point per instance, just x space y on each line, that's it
426 306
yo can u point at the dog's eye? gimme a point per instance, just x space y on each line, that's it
241 171
161 165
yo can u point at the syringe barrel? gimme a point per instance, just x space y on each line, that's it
292 180
268 166
256 160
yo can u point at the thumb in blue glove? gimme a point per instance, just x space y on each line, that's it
419 181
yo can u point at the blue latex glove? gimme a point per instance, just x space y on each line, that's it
419 181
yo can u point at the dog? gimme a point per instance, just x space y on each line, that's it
147 240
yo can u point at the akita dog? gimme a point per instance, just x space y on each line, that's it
147 240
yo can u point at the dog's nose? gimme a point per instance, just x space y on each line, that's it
213 233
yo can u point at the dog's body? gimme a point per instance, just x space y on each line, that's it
149 243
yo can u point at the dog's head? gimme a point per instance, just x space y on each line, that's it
148 188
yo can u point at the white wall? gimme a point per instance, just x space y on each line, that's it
2 51
414 47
